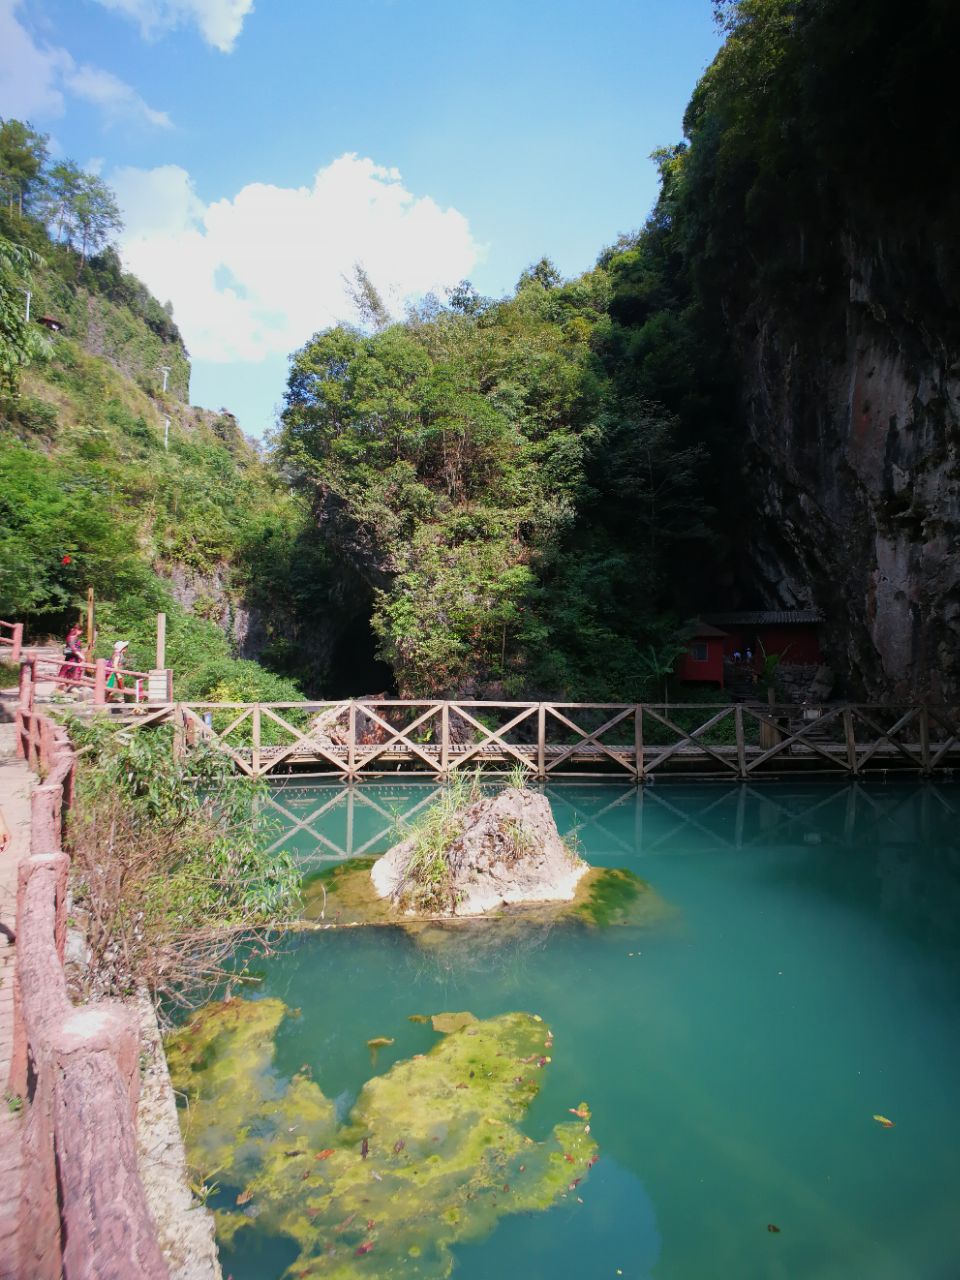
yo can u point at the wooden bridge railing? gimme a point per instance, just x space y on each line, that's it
638 742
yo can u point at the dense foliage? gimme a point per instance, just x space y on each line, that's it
508 507
89 495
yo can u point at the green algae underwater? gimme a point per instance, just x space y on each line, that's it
431 1154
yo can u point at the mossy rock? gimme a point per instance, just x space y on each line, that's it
430 1155
605 896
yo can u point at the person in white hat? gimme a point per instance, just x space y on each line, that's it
115 665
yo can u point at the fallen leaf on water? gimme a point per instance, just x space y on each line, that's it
419 1017
325 1154
884 1122
244 1197
582 1112
379 1042
772 1226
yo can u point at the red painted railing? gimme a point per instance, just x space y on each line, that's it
86 675
11 637
83 1212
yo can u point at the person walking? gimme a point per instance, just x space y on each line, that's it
71 669
115 664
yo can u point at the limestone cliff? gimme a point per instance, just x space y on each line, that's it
853 462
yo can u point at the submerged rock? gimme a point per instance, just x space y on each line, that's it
604 897
495 851
431 1153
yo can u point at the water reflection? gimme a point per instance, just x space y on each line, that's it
324 822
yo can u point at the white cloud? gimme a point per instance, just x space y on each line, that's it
30 77
113 96
34 80
220 21
257 274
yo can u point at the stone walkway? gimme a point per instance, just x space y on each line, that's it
16 782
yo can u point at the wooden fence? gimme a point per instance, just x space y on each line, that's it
635 741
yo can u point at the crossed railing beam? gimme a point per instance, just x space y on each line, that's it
637 741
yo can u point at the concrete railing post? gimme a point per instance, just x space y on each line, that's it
17 642
100 682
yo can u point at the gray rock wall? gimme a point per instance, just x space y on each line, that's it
853 464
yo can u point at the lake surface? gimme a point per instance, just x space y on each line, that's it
804 978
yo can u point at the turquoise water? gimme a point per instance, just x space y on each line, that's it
806 977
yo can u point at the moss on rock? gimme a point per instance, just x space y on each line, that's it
430 1155
604 896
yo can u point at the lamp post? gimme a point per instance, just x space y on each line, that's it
26 315
164 369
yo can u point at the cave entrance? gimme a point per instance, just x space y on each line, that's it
355 670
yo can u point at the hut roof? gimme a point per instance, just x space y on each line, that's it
767 617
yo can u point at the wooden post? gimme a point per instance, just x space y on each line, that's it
90 628
850 738
100 683
638 740
256 737
541 742
741 748
351 740
179 744
17 642
161 641
444 739
925 739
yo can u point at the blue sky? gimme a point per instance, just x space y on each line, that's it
260 150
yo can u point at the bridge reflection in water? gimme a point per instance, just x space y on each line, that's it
324 822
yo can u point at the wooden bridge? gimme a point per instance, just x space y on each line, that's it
638 742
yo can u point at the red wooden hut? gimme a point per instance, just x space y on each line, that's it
703 660
792 633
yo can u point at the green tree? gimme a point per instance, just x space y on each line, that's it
94 215
23 157
18 343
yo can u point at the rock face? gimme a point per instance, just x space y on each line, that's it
507 850
853 465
